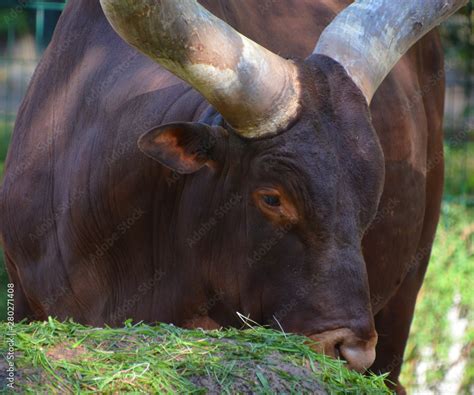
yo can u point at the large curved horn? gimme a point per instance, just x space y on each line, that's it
255 90
369 37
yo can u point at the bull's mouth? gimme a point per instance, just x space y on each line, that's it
342 343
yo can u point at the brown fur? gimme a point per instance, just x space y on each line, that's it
95 230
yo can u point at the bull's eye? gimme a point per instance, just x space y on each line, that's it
275 204
271 200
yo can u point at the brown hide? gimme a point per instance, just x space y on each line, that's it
95 230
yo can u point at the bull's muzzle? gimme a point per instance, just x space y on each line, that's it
343 343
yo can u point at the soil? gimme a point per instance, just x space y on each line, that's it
273 371
245 376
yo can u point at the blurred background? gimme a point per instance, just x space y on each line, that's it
440 355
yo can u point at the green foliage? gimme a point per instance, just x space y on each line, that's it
105 364
14 18
54 357
459 171
457 38
448 283
448 273
5 134
3 288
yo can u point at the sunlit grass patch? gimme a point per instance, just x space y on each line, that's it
5 136
446 301
54 357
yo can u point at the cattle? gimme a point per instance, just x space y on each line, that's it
193 163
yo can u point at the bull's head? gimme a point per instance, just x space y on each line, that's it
295 140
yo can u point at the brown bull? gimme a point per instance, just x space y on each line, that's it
290 188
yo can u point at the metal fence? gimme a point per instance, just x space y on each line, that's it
26 28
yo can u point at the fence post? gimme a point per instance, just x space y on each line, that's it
39 34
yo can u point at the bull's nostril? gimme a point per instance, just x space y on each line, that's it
358 357
344 344
337 350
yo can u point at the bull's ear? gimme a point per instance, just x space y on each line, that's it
183 147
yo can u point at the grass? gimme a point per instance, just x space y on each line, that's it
448 283
5 135
459 171
54 357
